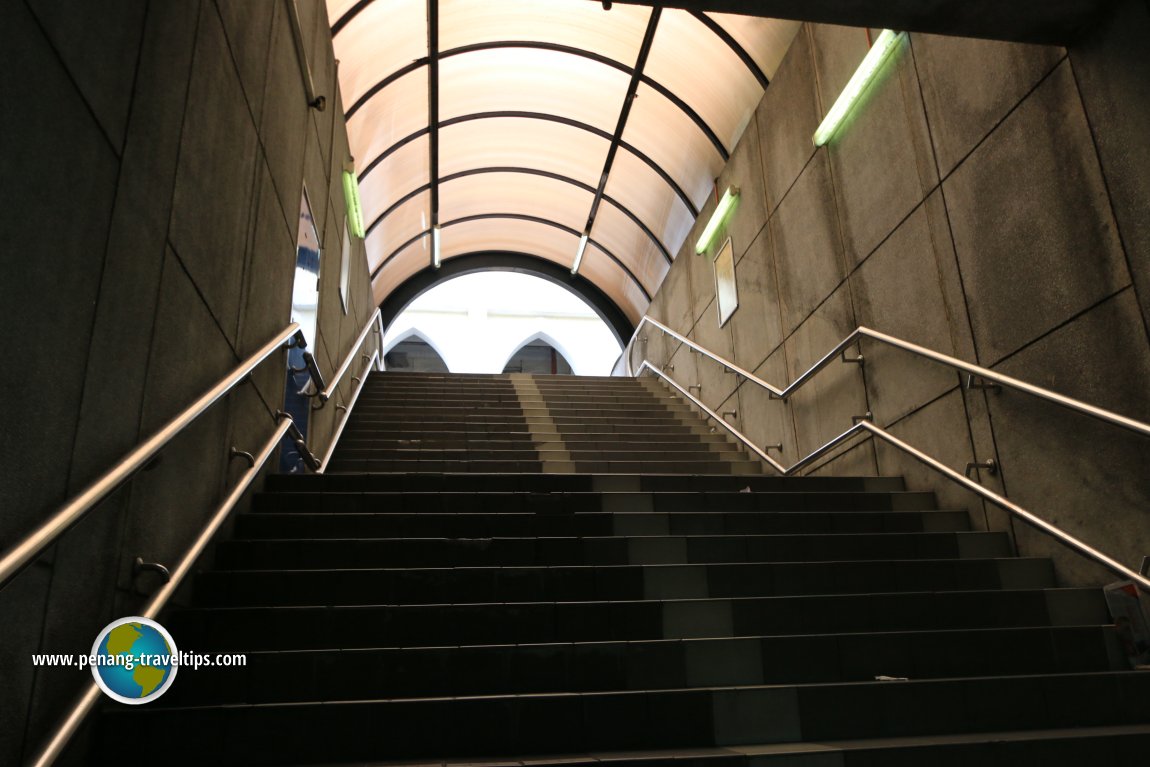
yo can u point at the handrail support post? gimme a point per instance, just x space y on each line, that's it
990 466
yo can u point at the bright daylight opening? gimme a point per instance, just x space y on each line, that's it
500 322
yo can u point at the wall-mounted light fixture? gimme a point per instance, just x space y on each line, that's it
886 44
722 210
579 253
354 209
436 256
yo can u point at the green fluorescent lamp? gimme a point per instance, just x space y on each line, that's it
883 47
579 254
354 209
722 210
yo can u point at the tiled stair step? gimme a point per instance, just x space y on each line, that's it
514 398
669 443
422 453
465 585
595 417
362 423
465 409
569 503
308 553
516 466
409 416
768 491
504 424
1063 747
530 453
434 466
526 524
652 452
227 629
590 722
672 466
371 673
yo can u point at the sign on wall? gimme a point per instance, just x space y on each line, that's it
727 295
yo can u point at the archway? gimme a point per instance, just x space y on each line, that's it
414 352
539 354
399 298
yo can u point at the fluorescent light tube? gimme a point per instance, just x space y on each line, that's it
883 47
351 198
579 254
722 210
436 260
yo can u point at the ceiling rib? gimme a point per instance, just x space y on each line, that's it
515 217
733 44
663 90
529 171
346 18
624 113
538 116
433 113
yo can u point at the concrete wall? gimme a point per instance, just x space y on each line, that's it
154 155
988 201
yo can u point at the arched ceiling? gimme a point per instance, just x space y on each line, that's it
521 125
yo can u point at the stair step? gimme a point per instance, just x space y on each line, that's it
310 553
764 491
428 585
524 524
336 627
373 673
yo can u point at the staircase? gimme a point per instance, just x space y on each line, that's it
553 570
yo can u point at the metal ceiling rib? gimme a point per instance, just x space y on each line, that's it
443 179
534 108
516 217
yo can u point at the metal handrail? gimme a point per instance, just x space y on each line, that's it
346 415
865 426
861 332
375 322
83 706
32 545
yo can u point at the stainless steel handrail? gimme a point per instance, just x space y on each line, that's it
81 708
347 414
861 332
31 546
375 322
876 431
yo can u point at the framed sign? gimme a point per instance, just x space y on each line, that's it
726 293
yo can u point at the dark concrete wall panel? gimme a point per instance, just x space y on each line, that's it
1033 230
969 86
210 220
55 248
99 44
1094 480
808 244
26 600
786 118
824 408
285 126
881 159
756 325
1112 67
900 383
248 29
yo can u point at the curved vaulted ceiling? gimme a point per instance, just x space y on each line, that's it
517 126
